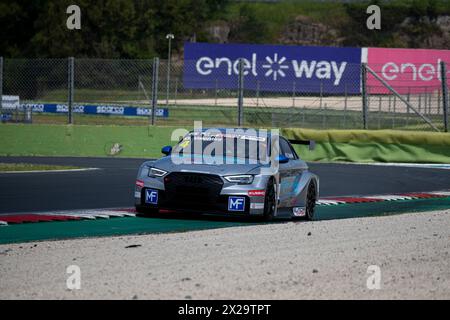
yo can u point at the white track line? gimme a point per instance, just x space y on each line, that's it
49 171
329 202
390 197
84 216
3 223
441 193
444 166
103 216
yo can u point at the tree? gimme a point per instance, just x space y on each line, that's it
109 28
248 27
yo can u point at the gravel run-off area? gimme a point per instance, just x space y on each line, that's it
293 260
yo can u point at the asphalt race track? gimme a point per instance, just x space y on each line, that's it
112 185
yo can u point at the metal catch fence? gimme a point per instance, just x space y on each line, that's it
142 92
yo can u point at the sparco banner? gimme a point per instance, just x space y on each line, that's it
272 68
94 110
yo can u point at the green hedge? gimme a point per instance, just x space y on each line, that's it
373 146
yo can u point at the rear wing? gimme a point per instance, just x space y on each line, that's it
310 143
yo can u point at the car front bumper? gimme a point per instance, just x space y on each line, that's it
220 204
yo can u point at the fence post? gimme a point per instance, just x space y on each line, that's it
215 92
345 106
444 94
293 94
176 90
1 86
240 92
395 112
257 93
155 88
321 94
71 89
408 98
380 102
364 93
438 111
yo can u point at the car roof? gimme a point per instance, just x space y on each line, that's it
252 132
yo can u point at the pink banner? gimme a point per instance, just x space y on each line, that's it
407 70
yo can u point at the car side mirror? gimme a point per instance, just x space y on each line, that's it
282 159
167 150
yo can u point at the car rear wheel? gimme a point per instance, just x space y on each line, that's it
311 201
270 202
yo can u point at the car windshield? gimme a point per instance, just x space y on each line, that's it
231 146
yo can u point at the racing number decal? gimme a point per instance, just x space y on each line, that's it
185 143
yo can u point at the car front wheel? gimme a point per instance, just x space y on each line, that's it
270 201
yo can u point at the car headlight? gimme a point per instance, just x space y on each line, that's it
156 173
240 179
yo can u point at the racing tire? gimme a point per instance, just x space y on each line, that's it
270 201
311 198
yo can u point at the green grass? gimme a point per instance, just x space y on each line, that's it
146 141
11 167
82 140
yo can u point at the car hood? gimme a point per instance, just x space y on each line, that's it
168 165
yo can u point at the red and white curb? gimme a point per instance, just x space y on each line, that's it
65 216
7 219
332 201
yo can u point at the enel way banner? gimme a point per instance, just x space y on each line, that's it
300 69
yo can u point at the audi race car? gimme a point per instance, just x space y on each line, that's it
231 172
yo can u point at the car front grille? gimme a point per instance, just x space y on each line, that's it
185 188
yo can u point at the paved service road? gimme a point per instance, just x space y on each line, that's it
112 185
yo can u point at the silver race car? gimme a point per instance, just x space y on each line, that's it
231 172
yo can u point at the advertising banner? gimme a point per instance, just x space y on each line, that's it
273 68
406 70
10 102
99 110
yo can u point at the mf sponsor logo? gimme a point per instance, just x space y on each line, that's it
236 204
272 68
151 196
